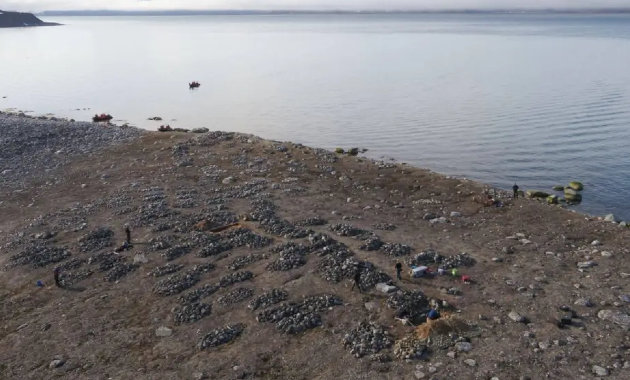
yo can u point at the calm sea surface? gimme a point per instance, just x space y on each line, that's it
534 99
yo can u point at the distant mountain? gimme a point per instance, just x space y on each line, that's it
17 19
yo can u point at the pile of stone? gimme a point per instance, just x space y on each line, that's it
430 257
39 255
426 257
186 198
335 269
320 303
343 229
246 190
384 226
312 221
181 155
262 209
69 278
232 239
221 336
106 260
176 252
366 339
412 305
163 242
283 228
409 348
242 237
72 264
269 298
234 278
213 137
96 240
242 261
215 248
459 260
292 256
371 243
119 270
396 249
152 213
197 294
291 318
165 269
370 276
120 203
324 245
179 282
191 312
235 296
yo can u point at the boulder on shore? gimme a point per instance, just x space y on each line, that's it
575 185
537 194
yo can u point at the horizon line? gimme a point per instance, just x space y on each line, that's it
328 11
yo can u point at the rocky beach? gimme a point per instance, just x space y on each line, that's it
259 259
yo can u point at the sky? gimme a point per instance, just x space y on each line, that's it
42 5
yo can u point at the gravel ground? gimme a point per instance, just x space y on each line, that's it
30 146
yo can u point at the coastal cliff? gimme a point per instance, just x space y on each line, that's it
17 19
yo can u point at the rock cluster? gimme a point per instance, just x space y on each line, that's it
292 318
179 282
96 240
243 261
235 296
221 336
343 229
413 305
199 293
396 249
312 221
235 277
384 226
39 255
431 257
291 256
176 252
410 347
165 269
366 339
191 312
269 298
120 270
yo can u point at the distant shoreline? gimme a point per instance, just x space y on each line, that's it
185 12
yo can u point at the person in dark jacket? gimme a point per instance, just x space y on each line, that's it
398 271
57 274
357 278
515 190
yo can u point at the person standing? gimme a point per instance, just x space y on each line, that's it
57 274
128 233
398 271
357 278
515 190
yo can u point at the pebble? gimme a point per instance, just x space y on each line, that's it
56 363
516 317
463 346
583 302
600 371
470 362
163 331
